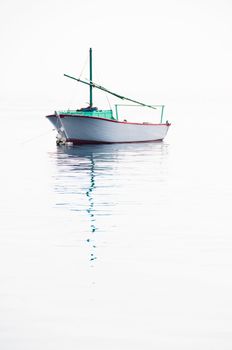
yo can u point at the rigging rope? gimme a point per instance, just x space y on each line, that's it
73 96
85 63
36 137
110 92
105 93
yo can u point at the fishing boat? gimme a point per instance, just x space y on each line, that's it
90 125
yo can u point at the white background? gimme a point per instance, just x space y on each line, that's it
169 51
162 277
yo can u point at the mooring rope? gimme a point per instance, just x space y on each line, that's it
37 136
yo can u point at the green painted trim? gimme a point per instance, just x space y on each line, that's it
116 111
162 113
106 113
90 79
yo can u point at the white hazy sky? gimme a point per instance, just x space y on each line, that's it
156 51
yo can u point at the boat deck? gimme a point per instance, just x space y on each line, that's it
106 114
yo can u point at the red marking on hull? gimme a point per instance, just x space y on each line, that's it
105 119
88 142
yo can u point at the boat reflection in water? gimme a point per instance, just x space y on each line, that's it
90 210
105 186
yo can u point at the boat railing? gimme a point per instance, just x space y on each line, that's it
158 107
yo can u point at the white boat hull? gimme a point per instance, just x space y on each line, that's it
83 129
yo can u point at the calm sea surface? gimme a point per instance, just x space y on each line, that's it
116 246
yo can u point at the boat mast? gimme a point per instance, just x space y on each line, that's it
92 85
90 79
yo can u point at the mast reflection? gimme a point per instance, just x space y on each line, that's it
91 209
77 178
96 182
